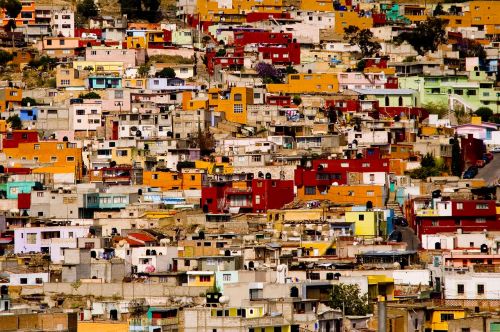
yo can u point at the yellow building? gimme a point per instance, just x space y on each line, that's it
367 223
69 77
100 66
233 103
209 10
60 157
380 288
307 83
317 5
441 316
3 126
136 42
137 83
344 19
347 195
102 327
189 180
485 15
201 278
214 167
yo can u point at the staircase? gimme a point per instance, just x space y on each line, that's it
394 205
456 100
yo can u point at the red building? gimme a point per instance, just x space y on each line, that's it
282 101
472 149
234 59
428 217
281 54
325 172
242 38
258 197
12 139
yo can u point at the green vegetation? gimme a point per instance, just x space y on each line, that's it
348 297
485 113
426 37
141 9
90 95
87 9
456 165
166 73
364 39
177 59
28 100
429 166
5 57
15 122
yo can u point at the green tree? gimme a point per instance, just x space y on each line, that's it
5 57
166 73
426 36
143 70
87 9
290 70
15 122
438 10
363 38
13 9
436 108
485 113
297 100
141 9
28 100
221 52
428 161
349 298
90 95
456 165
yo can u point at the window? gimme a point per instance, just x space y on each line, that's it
23 281
370 193
460 206
361 217
238 108
80 112
13 93
39 281
39 194
205 278
480 289
31 237
446 317
36 146
460 289
70 158
53 159
237 97
226 277
256 159
310 190
481 206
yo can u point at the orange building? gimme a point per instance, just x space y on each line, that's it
344 19
347 195
10 97
59 157
189 179
25 17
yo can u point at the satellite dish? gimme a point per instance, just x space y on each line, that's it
224 299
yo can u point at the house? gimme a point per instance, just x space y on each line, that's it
63 23
50 240
259 196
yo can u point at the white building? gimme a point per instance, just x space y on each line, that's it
86 116
52 240
63 23
472 286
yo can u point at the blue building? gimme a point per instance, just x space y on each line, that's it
104 82
28 113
